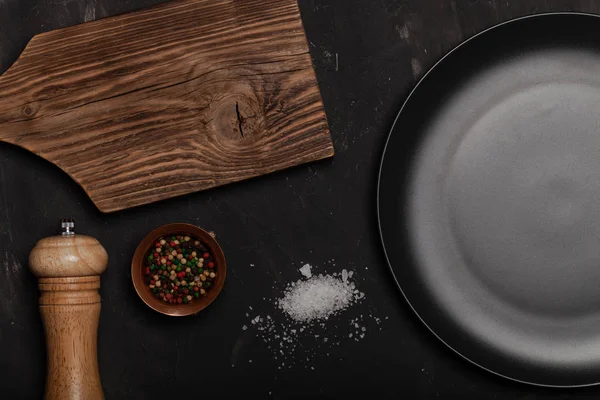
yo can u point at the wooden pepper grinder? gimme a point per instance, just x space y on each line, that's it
68 269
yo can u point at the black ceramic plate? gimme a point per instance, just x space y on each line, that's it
489 200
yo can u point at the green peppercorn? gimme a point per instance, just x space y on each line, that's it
200 270
150 257
196 294
152 267
163 267
178 269
207 284
185 300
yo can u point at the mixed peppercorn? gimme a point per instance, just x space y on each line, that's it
179 269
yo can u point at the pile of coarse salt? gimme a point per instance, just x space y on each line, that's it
318 297
305 311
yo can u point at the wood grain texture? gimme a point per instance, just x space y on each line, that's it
66 256
175 99
68 271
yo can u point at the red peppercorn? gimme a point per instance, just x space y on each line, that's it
147 271
157 245
156 255
205 255
189 257
179 300
179 251
211 264
152 282
196 288
181 274
169 296
168 262
172 244
185 291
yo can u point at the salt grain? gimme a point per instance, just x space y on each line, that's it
344 275
305 270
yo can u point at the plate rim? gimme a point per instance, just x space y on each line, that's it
379 181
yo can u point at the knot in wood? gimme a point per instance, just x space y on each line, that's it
29 110
237 116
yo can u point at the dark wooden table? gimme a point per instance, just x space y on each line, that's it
368 55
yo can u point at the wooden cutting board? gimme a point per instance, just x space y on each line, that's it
175 99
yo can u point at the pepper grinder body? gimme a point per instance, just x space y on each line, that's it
68 269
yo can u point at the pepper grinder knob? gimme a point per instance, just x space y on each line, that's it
68 269
68 227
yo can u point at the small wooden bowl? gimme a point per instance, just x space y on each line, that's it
177 310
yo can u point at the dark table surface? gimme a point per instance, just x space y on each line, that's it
368 54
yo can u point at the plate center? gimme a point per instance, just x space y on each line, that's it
523 193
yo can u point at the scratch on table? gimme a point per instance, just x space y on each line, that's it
239 343
5 206
495 7
235 275
143 347
416 68
456 20
12 268
404 32
176 359
354 104
217 204
90 12
299 196
276 272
